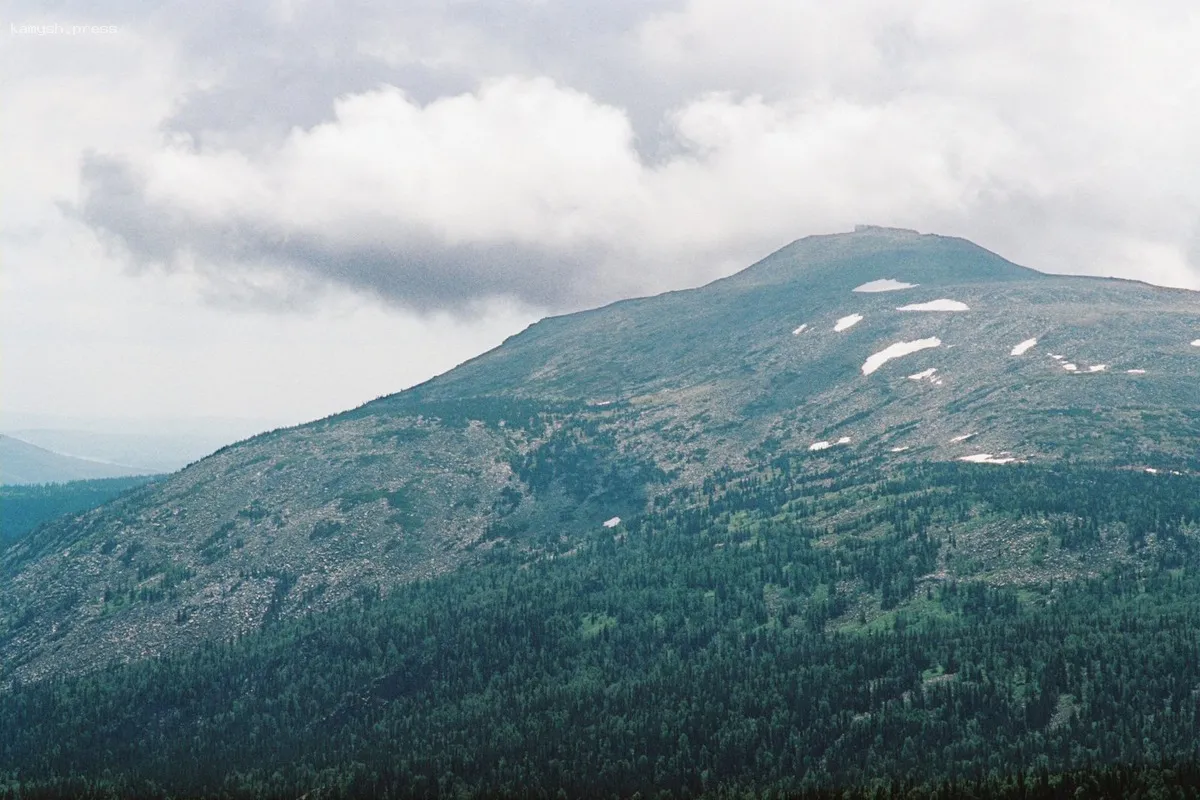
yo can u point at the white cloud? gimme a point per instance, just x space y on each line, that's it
530 164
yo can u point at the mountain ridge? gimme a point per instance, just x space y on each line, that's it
608 413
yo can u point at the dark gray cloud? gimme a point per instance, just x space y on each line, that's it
408 268
277 70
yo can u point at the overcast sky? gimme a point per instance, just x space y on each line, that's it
280 210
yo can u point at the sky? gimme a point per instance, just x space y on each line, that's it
279 210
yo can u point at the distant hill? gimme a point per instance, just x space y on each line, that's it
21 463
156 452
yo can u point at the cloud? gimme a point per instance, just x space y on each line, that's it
438 156
519 189
1095 95
534 191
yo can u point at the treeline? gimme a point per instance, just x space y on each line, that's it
709 648
1135 782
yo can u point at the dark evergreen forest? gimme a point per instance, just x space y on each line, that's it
23 508
712 647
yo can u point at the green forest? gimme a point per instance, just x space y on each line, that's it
784 632
23 508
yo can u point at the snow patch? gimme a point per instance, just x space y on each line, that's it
923 374
1070 367
1135 372
1056 358
1024 347
820 446
846 323
612 523
877 360
987 458
1196 343
1098 368
962 438
1152 470
936 305
800 330
885 285
898 449
844 440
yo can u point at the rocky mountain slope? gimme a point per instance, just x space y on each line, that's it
849 352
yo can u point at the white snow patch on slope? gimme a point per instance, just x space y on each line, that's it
1196 343
885 285
988 458
1070 367
923 374
936 305
1135 371
900 449
962 438
1055 357
800 330
612 523
877 360
1098 368
827 445
846 323
1023 347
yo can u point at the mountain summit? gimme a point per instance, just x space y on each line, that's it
860 351
838 260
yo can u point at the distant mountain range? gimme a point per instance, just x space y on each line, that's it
25 463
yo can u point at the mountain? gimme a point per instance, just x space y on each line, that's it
609 413
24 463
882 505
